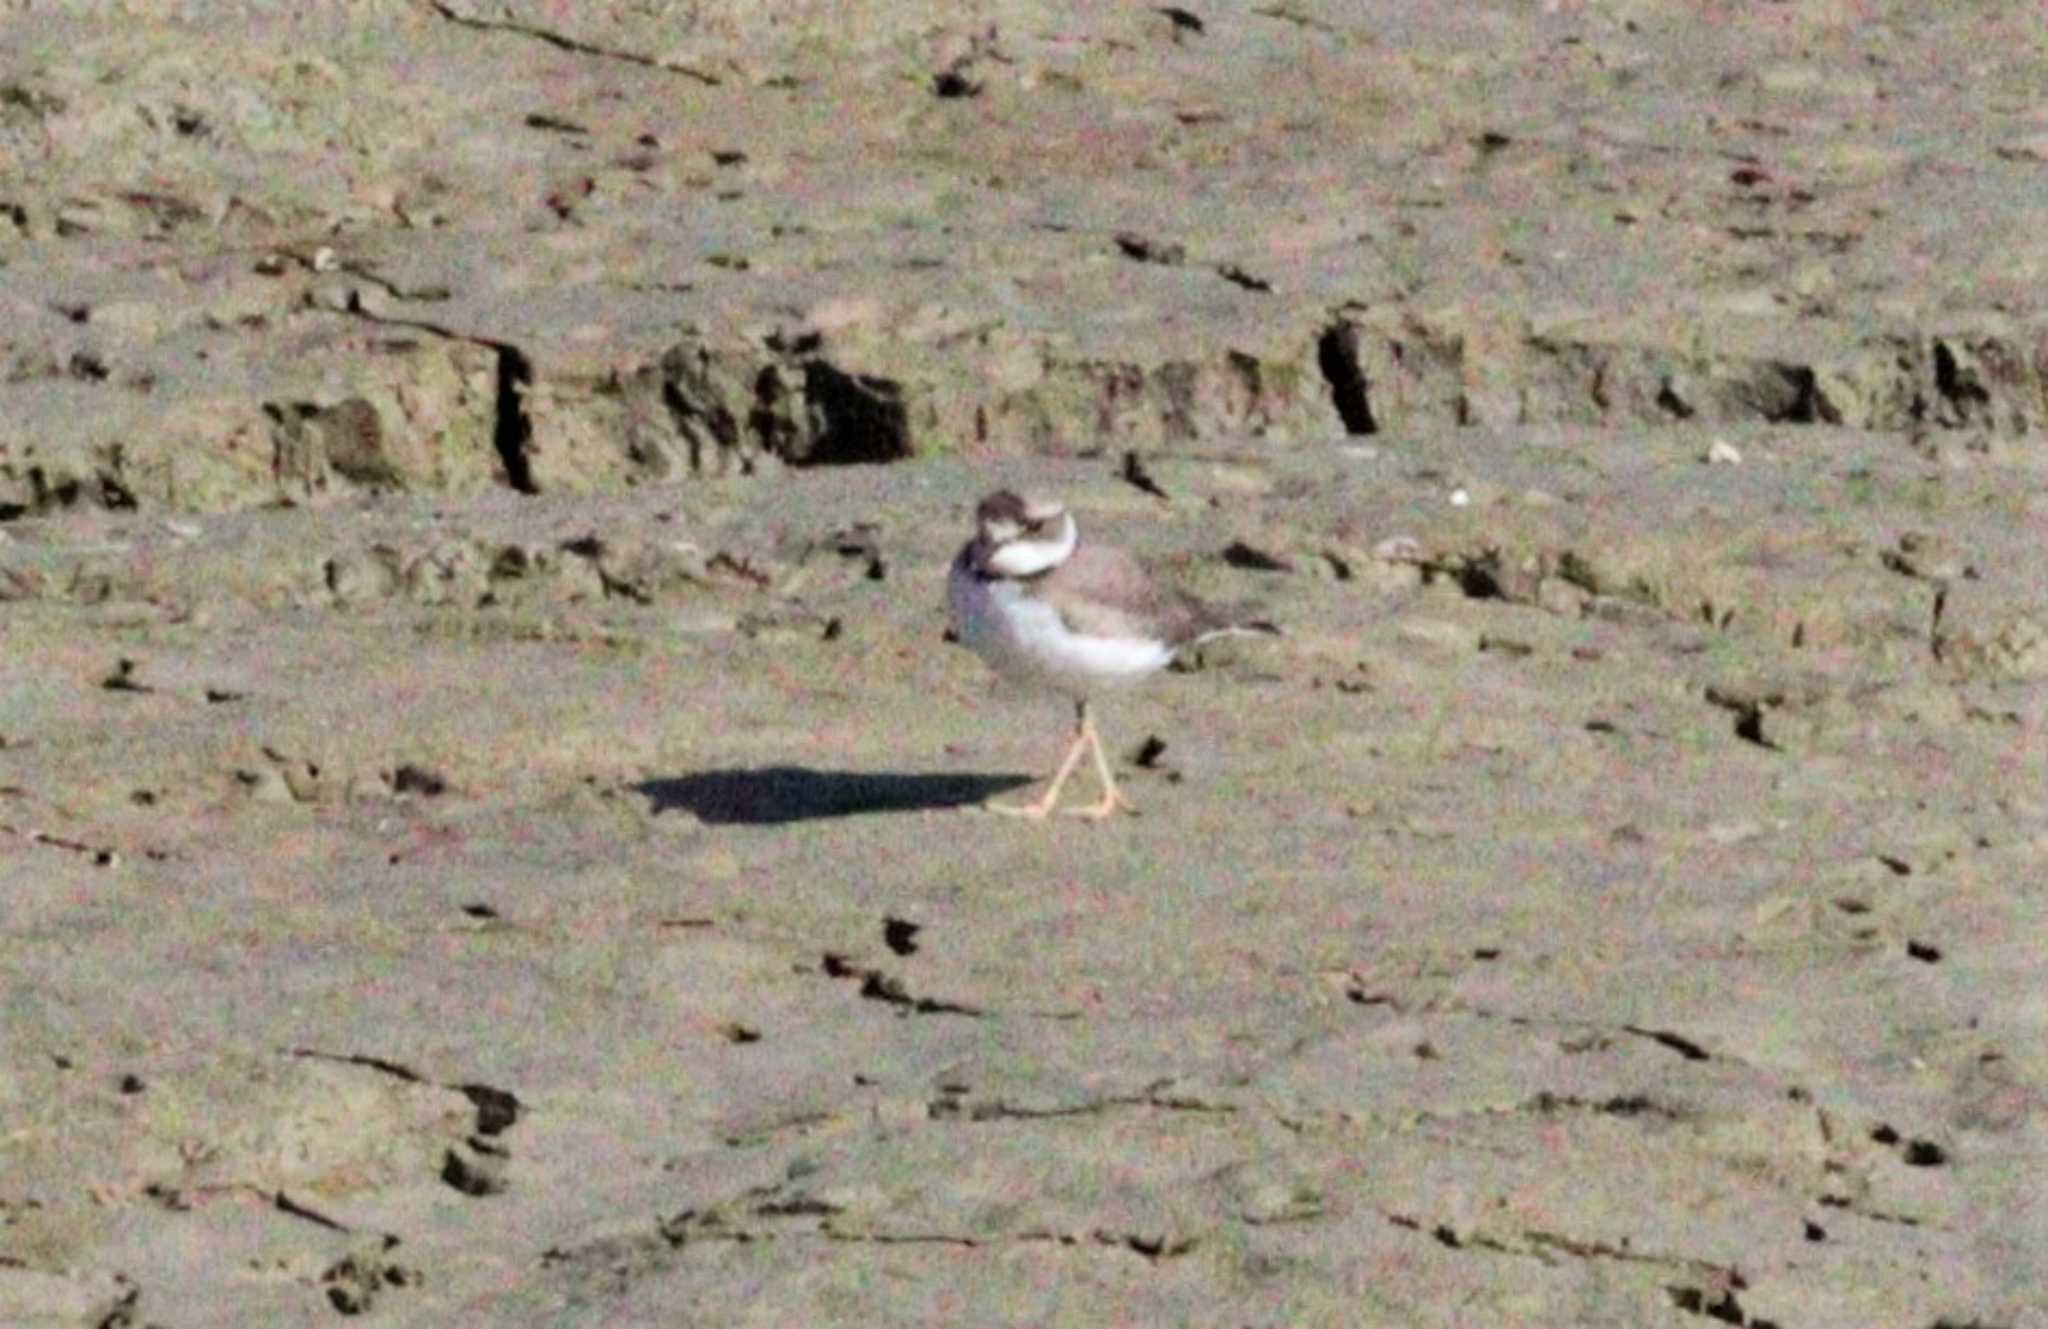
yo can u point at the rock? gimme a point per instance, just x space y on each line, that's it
2015 648
1928 556
453 572
265 784
1439 636
35 1297
358 577
1559 596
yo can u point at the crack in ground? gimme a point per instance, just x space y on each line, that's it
1546 1103
1580 1248
620 1259
1153 1246
184 1199
800 1124
363 1059
1358 994
285 1204
650 1252
876 985
899 1238
564 42
1845 1204
1540 1244
99 854
950 1104
1000 1110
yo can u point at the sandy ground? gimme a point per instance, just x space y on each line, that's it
487 809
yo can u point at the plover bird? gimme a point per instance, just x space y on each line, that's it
1058 615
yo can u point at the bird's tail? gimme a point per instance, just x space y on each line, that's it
1247 627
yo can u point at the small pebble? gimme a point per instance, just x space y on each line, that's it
1723 453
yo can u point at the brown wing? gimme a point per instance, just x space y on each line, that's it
1104 591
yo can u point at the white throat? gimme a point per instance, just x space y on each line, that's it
1028 558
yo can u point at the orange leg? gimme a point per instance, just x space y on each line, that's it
1112 801
1038 810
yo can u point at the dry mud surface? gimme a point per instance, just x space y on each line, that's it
486 807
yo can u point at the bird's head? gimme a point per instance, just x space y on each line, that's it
1016 536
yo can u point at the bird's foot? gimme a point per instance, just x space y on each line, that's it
1038 811
1111 804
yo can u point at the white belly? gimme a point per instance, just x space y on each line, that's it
1024 639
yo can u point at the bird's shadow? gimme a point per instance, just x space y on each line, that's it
773 795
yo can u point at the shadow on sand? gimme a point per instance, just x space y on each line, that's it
775 794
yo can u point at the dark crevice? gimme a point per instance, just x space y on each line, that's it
1678 1043
1153 1247
511 425
1618 1105
1803 405
1337 357
902 1238
1479 578
411 779
900 935
798 1206
512 432
1155 1098
387 1066
878 986
1237 276
1959 387
477 1174
496 1109
1724 1308
955 82
1135 475
1749 715
1250 558
768 422
285 1204
860 418
1147 250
